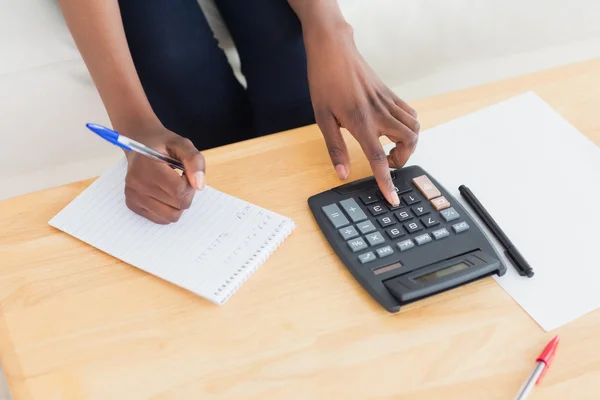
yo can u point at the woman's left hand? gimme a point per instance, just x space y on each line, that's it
346 93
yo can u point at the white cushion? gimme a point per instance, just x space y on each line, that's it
419 47
33 34
402 39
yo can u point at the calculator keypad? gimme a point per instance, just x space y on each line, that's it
393 208
426 187
440 233
353 210
422 239
369 198
349 232
440 203
405 245
386 220
420 210
377 209
449 214
375 238
394 233
460 227
374 229
385 251
357 244
412 227
366 227
403 215
367 257
410 199
335 215
430 221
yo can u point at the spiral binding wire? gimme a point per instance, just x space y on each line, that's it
252 264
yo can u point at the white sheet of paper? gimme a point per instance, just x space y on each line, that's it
539 178
215 246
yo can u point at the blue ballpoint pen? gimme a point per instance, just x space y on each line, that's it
131 145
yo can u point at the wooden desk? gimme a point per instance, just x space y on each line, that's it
75 323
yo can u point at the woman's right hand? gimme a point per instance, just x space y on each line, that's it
152 188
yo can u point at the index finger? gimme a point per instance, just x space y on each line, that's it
192 159
381 169
166 185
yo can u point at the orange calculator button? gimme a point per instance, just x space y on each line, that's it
426 187
440 203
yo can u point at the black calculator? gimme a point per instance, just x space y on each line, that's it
427 245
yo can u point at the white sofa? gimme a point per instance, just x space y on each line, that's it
419 47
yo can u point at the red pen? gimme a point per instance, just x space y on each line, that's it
542 365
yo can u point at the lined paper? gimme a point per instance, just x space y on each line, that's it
214 247
539 179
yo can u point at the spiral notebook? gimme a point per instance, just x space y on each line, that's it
217 244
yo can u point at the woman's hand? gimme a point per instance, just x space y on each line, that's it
152 188
347 93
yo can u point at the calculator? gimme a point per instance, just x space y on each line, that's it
427 245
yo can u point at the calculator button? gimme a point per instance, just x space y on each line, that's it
393 208
366 227
401 187
412 227
377 209
349 232
460 227
440 233
375 238
357 244
369 198
422 239
385 251
335 215
426 187
411 199
405 245
440 203
386 220
449 214
403 215
429 221
367 257
353 210
393 233
420 210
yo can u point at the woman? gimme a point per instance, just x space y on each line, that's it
166 83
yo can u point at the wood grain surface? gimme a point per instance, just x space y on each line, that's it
76 323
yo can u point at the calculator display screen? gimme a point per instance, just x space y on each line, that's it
442 272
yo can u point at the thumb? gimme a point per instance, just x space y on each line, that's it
398 156
193 161
335 144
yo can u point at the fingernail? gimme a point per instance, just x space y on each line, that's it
341 171
199 180
395 198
